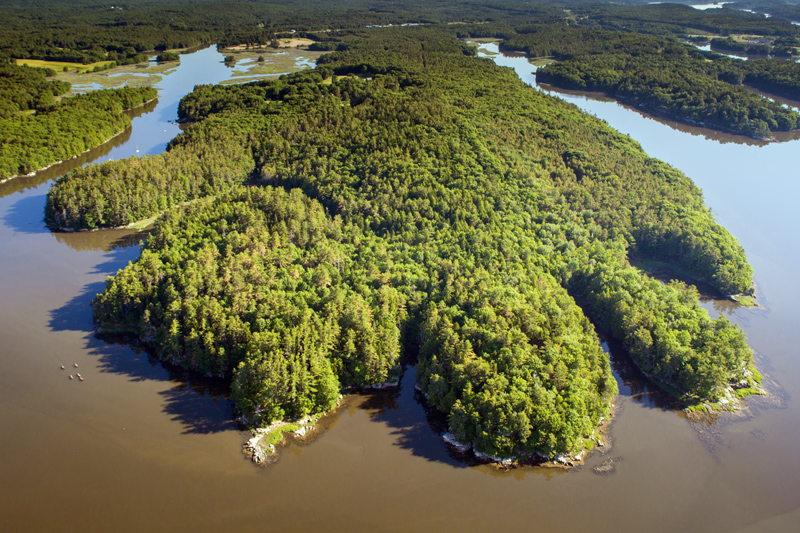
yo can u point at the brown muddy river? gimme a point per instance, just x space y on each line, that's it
137 446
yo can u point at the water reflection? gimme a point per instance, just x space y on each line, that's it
150 132
710 299
103 240
76 313
24 183
793 104
186 403
30 182
699 131
418 428
526 71
632 382
402 411
719 306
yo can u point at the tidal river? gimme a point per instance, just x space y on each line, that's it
138 446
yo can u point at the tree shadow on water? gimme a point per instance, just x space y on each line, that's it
633 383
106 240
121 354
76 313
416 427
199 403
26 215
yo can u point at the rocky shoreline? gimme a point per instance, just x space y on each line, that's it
263 447
265 443
598 439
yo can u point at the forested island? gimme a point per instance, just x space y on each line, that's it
37 130
435 203
406 200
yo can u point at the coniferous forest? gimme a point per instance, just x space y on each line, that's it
406 200
37 130
666 76
417 198
58 131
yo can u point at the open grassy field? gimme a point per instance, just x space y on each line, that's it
541 61
58 66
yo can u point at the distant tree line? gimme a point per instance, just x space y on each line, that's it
663 76
681 21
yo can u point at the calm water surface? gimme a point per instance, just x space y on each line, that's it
137 445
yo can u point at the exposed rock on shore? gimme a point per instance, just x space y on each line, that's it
261 447
455 445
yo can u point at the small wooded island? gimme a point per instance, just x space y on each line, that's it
406 198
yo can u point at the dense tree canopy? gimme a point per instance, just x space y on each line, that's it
66 129
663 76
669 19
436 204
27 88
261 286
86 32
406 197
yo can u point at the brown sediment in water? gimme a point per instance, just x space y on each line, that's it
161 441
